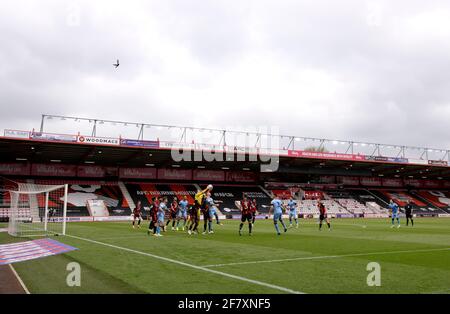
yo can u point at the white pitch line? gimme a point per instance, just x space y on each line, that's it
323 257
256 282
19 279
125 237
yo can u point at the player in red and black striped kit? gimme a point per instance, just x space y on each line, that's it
173 213
246 215
323 214
153 216
137 214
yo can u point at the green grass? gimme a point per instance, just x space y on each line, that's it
112 270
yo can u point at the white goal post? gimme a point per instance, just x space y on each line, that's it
38 210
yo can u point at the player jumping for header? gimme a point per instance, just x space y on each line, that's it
199 203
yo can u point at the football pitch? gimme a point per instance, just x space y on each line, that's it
114 258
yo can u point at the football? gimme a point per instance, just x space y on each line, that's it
209 187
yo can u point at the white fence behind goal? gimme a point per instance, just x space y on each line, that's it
38 210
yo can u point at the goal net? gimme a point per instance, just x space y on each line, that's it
38 210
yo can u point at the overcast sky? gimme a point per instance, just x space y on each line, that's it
375 71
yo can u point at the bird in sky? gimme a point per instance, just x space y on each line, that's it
116 64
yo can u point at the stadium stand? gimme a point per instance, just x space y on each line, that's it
230 195
80 192
145 192
440 199
309 207
227 194
420 206
120 198
371 201
350 203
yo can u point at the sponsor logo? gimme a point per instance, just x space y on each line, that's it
98 140
376 158
307 154
399 160
53 137
438 162
418 161
17 134
137 143
112 218
346 216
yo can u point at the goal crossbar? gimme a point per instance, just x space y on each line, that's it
38 210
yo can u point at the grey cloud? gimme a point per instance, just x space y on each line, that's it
174 55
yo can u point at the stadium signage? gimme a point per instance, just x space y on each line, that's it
392 182
17 134
346 216
205 175
327 179
370 215
73 219
53 170
431 184
438 162
369 181
137 173
175 174
15 169
398 160
138 143
306 154
376 158
413 182
418 161
240 176
98 140
91 171
112 218
348 180
53 137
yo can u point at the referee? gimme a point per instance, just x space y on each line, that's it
408 213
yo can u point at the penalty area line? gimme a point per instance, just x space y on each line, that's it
202 268
325 257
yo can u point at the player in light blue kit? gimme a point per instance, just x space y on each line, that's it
395 213
182 212
277 206
211 205
292 205
161 212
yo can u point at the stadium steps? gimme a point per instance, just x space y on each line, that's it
265 191
127 195
422 199
380 200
